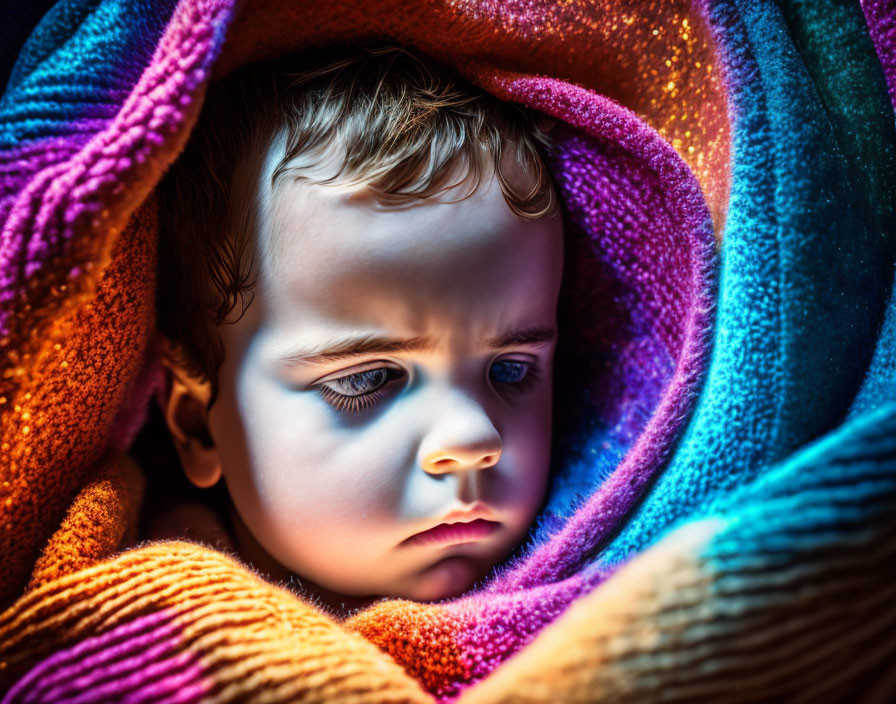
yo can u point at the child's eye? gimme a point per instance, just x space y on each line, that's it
355 392
360 390
515 373
509 371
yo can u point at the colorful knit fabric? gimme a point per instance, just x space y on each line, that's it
721 519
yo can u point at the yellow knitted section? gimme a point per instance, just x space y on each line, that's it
666 628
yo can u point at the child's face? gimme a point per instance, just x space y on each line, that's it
334 494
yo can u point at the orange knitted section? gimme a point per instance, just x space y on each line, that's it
62 400
100 520
423 638
253 640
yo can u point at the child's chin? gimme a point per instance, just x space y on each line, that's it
447 578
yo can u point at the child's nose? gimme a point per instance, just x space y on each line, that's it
457 459
462 438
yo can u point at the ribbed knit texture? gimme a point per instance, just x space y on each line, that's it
721 519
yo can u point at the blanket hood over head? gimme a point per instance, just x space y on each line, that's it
720 522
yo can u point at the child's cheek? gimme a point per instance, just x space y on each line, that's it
306 456
522 473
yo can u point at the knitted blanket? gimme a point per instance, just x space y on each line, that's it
721 518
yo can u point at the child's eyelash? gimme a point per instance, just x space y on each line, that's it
354 404
349 404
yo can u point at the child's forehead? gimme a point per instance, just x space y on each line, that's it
339 223
336 255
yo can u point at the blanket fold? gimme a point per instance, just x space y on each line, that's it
721 519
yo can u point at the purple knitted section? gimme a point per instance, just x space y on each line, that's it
140 660
880 15
643 211
19 165
502 624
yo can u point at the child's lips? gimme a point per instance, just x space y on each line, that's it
446 533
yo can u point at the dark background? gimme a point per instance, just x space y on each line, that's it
17 19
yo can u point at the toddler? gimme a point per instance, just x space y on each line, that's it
360 262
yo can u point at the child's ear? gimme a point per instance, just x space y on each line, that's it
184 403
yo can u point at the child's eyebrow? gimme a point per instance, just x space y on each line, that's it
355 346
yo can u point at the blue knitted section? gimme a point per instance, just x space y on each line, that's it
807 256
105 45
830 496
